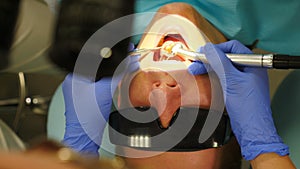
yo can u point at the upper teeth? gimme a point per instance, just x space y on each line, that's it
169 46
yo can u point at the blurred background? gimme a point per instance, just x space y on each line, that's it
42 38
28 79
39 46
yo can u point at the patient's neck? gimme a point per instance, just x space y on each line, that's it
204 159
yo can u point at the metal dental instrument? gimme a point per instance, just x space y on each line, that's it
271 61
140 51
143 52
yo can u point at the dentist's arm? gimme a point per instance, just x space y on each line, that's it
82 132
88 105
247 100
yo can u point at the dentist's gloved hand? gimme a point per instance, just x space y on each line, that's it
88 105
247 100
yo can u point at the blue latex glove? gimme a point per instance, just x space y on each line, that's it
247 100
88 105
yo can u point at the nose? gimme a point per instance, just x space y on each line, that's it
165 80
166 98
164 85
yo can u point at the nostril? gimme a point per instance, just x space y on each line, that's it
172 85
156 84
160 84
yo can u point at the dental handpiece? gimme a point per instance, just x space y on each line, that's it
271 61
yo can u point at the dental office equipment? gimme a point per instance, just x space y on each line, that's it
271 61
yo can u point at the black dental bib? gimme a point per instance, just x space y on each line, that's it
145 134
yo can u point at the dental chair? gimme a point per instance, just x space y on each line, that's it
286 113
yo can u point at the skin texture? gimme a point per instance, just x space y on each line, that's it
272 160
166 94
206 159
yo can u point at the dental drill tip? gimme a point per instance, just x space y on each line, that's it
168 49
168 46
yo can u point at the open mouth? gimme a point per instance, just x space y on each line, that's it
169 29
163 59
171 37
161 54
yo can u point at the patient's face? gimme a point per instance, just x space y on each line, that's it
167 91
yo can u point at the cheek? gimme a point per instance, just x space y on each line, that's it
139 97
198 94
204 87
139 93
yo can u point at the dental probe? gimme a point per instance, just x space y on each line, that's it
143 50
276 61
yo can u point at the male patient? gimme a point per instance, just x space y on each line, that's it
168 90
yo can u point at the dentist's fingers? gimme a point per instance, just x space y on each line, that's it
197 68
217 60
